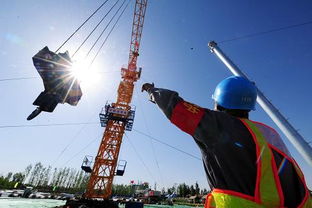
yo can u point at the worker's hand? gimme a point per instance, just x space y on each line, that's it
147 86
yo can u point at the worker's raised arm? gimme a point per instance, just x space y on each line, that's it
183 114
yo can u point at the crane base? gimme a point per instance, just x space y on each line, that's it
88 203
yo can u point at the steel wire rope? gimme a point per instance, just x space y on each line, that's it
72 140
265 32
175 148
25 78
17 78
47 125
95 28
220 42
93 123
78 132
81 25
140 158
109 33
151 141
104 30
78 153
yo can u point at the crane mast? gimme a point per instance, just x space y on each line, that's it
117 117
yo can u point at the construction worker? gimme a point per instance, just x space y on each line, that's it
246 162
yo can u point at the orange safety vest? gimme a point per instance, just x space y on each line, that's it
268 191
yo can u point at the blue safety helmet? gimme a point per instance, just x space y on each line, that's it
236 93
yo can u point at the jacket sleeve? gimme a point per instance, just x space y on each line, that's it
183 114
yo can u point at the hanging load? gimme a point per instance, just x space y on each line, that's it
60 86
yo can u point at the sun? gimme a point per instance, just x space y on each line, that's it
86 75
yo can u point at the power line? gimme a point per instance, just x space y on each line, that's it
148 131
72 140
75 136
157 140
25 78
140 158
46 125
78 153
266 32
17 78
93 123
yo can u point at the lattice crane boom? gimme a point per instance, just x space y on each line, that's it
117 117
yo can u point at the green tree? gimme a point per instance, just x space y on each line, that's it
203 192
18 177
35 174
197 189
54 178
9 176
183 190
26 172
193 192
46 176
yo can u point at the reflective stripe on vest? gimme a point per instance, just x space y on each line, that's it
266 189
224 200
268 192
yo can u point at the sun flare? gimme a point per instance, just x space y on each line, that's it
87 76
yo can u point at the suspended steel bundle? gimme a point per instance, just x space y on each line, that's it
55 69
60 85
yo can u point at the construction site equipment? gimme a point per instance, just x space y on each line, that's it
86 164
117 117
60 85
290 132
111 113
121 168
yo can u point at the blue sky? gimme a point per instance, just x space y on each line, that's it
279 63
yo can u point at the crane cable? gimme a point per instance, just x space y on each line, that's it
109 33
94 28
219 42
81 26
104 30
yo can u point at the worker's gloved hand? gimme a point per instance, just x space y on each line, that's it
147 87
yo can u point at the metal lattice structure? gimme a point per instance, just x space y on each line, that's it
117 117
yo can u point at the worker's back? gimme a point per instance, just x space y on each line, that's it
246 162
248 159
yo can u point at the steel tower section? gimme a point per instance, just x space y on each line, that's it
117 117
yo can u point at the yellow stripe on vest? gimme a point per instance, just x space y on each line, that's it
267 188
222 200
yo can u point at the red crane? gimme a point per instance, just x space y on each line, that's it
117 117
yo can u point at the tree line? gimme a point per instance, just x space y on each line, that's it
184 190
71 180
48 179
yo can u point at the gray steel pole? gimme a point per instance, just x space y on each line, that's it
290 132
